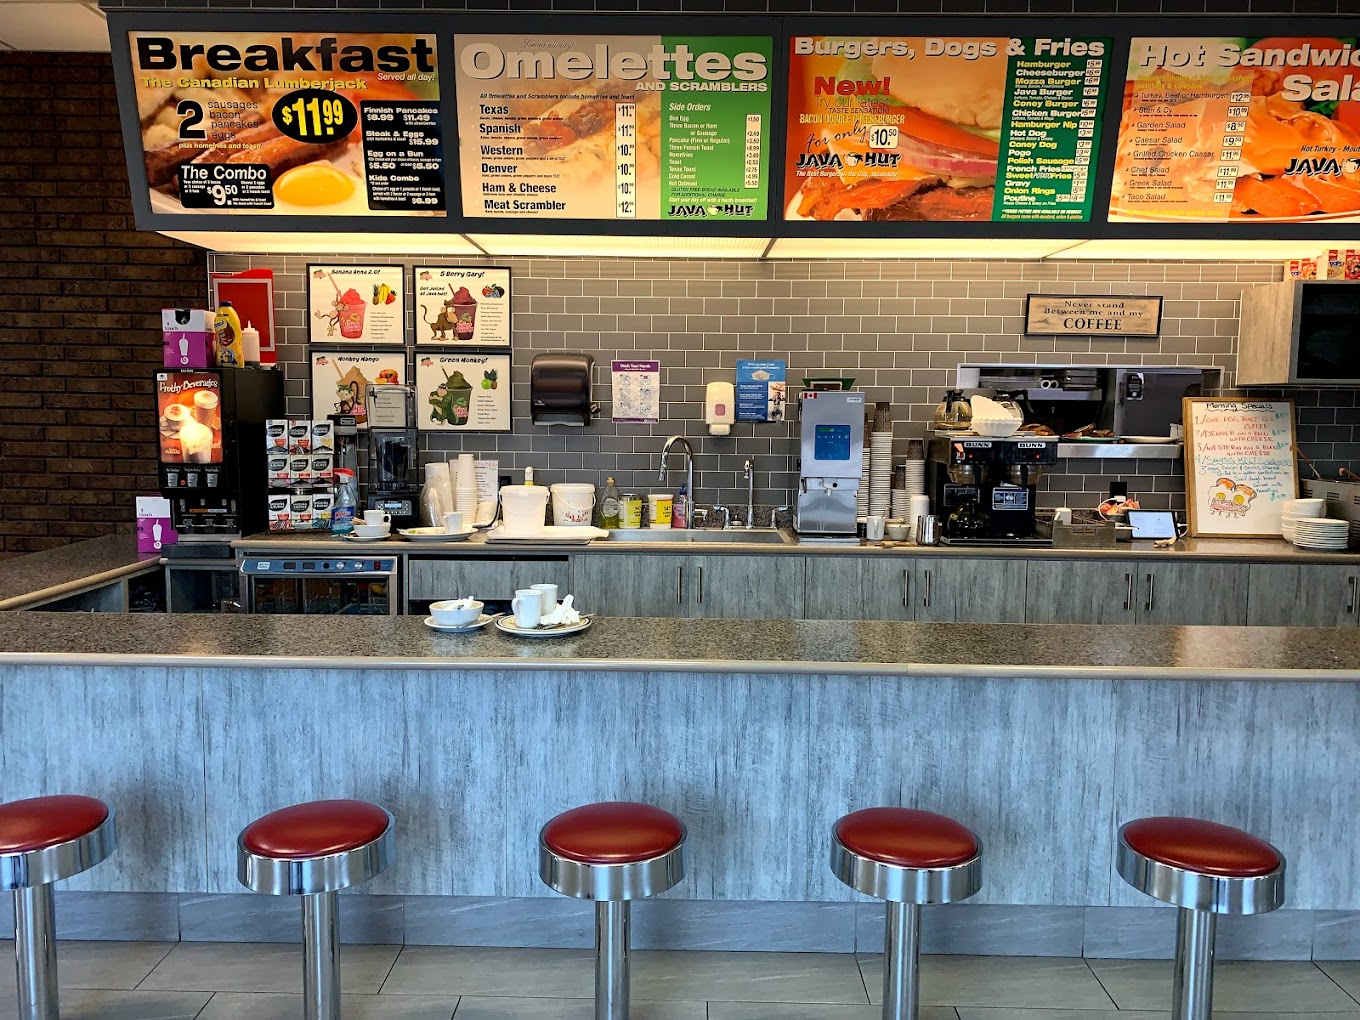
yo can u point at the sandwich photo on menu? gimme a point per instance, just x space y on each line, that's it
898 135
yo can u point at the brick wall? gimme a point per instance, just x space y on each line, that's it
80 295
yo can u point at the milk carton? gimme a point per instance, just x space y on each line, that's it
186 337
153 524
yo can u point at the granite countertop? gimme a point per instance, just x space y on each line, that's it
1220 549
70 568
706 646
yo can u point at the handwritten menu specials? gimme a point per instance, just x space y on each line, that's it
1240 465
614 127
1239 129
301 124
930 129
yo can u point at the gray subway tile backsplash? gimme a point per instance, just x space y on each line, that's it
898 327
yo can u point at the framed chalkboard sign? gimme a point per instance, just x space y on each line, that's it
1240 465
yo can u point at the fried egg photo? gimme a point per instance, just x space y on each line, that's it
314 187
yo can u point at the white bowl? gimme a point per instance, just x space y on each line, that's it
372 530
996 428
445 615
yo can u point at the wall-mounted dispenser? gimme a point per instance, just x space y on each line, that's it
720 408
559 389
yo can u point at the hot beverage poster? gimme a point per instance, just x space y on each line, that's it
638 127
1246 130
462 305
356 304
340 380
298 124
189 405
463 392
943 128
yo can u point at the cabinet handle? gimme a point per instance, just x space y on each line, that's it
701 585
680 590
926 602
906 587
1128 592
1152 592
1355 584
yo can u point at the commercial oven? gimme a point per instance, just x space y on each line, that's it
321 585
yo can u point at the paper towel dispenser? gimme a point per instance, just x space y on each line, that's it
559 389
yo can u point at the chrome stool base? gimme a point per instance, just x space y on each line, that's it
1192 990
902 961
35 953
612 918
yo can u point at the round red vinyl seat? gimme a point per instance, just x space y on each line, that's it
42 822
907 838
614 832
1206 848
318 828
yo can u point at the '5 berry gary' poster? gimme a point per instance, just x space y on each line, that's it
458 392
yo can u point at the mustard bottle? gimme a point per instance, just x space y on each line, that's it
227 337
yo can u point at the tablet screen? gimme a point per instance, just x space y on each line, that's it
1152 524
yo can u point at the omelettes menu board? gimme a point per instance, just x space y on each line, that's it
1239 129
614 127
295 124
932 129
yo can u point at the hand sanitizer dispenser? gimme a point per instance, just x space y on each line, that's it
720 408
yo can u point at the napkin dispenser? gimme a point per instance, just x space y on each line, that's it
559 389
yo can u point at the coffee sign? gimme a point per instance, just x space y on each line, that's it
1093 315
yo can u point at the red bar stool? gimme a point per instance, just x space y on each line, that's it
1206 869
908 858
313 850
42 841
612 853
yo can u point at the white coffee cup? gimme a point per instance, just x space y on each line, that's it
205 406
376 518
175 414
1062 515
873 527
549 593
527 606
453 523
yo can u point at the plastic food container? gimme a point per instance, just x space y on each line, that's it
573 503
523 508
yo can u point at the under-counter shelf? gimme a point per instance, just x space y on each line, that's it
1121 451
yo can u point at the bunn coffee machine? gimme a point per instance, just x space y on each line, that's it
832 459
984 489
393 453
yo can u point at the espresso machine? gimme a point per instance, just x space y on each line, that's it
832 459
984 489
393 453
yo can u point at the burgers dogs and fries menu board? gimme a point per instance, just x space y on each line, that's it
933 128
1241 129
295 124
639 127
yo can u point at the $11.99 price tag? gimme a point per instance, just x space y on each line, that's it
315 115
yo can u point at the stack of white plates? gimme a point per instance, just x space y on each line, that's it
862 495
1322 533
1295 510
880 473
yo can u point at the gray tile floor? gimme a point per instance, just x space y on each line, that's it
198 981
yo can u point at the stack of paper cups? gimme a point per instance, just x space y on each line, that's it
919 506
862 495
880 473
465 475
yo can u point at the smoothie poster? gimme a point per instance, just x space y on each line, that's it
1248 130
462 306
614 127
340 380
355 304
460 392
943 128
293 124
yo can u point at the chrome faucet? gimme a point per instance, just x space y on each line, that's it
750 472
689 472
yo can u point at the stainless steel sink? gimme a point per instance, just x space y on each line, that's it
757 536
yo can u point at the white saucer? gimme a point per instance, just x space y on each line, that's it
477 624
352 537
509 626
435 535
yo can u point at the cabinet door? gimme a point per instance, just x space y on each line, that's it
859 588
1081 591
486 577
982 590
1192 593
1300 595
630 584
745 587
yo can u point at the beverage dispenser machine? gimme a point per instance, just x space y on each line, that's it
832 459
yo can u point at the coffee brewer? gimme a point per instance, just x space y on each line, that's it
832 447
393 453
984 489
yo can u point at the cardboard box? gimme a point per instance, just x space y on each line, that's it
154 530
279 517
300 468
322 467
276 434
277 466
187 337
1332 264
300 509
323 436
299 435
322 505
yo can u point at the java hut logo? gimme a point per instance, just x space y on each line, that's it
1326 166
1230 499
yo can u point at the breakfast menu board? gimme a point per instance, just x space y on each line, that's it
933 129
1239 129
1240 465
639 127
293 124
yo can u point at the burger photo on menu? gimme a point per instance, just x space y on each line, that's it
899 129
300 124
1246 129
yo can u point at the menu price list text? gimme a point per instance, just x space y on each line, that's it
403 156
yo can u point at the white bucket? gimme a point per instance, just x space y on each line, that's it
573 503
523 508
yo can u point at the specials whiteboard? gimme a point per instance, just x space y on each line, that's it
1240 465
